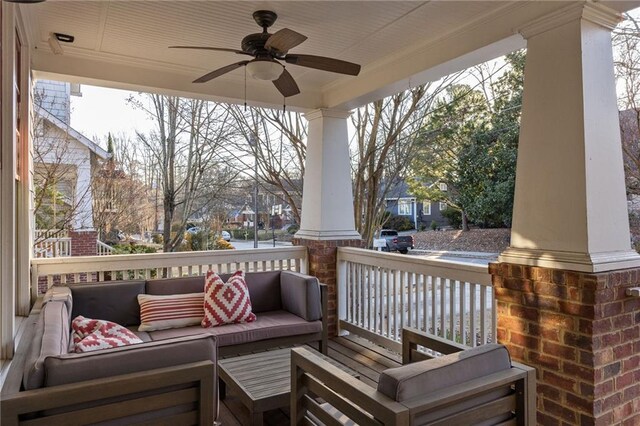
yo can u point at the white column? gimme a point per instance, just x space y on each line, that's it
327 202
83 217
570 209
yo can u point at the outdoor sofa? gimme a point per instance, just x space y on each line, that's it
478 386
171 377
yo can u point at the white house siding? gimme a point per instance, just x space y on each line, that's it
54 96
57 147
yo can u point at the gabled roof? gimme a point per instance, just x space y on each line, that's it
92 146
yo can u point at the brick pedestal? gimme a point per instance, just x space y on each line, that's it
582 333
83 243
322 264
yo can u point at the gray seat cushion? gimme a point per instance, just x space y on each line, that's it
424 377
268 325
77 367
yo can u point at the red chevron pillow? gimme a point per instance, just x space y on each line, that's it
92 335
226 303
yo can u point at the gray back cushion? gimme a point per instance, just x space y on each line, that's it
51 338
301 295
180 285
115 301
424 377
264 288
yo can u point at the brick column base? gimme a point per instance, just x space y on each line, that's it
582 333
323 255
83 243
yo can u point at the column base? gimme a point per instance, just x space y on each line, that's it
308 234
323 257
582 334
581 262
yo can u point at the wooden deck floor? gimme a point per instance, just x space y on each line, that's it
357 353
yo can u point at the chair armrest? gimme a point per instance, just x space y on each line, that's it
311 377
412 337
177 395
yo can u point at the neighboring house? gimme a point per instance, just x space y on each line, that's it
400 203
64 162
630 136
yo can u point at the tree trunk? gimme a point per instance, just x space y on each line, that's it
465 221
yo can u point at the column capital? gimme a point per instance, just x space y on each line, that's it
327 112
593 12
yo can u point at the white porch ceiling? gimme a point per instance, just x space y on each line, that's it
123 44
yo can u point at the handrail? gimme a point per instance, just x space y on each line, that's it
148 265
380 293
103 249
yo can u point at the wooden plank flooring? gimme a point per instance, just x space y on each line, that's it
355 352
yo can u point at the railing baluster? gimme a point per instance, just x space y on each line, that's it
463 314
472 313
388 275
452 308
376 298
425 306
483 320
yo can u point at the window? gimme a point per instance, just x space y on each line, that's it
404 208
17 81
443 187
426 208
443 206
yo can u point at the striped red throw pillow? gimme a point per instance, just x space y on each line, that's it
226 303
92 335
171 311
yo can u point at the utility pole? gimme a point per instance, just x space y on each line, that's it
254 145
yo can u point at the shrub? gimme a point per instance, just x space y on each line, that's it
434 225
454 216
157 238
399 223
132 248
221 244
293 229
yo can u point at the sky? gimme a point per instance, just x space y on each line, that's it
101 110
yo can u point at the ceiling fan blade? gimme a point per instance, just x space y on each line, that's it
324 64
220 71
286 84
283 40
217 49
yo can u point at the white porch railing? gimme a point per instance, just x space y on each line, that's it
103 249
379 293
52 247
145 266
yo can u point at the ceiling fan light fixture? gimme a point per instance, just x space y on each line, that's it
264 69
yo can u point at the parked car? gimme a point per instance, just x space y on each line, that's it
225 236
395 242
194 230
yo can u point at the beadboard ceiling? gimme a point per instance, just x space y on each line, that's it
136 34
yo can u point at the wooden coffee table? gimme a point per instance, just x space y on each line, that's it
262 381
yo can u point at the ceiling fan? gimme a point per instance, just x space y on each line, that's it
268 50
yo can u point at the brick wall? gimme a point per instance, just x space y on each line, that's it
322 264
83 243
582 333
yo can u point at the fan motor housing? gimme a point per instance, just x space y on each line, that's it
254 43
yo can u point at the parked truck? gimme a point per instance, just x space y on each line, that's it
395 242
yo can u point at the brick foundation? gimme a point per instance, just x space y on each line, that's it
83 243
582 333
322 264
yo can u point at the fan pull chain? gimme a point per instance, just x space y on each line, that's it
284 104
245 88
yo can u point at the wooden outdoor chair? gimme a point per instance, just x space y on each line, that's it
464 386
